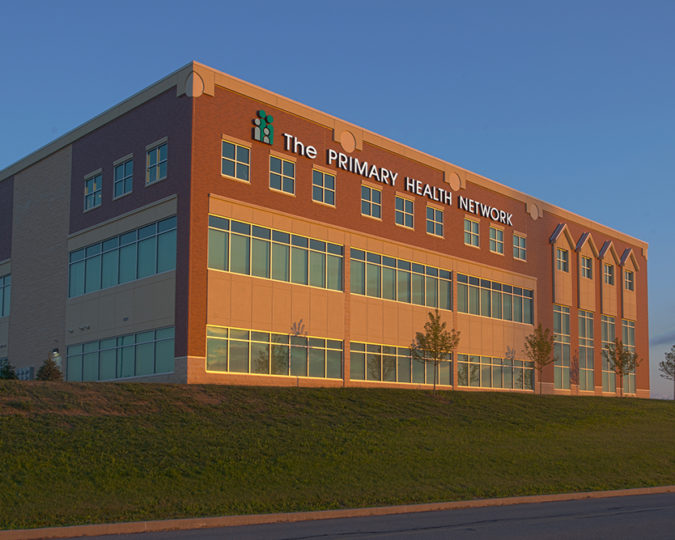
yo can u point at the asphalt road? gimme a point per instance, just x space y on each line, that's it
642 517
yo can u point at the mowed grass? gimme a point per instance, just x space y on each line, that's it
95 452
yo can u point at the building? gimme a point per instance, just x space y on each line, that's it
208 231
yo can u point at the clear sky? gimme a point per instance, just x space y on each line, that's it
548 97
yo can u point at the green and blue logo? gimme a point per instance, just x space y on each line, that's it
263 130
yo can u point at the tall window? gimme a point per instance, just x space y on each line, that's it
471 234
628 339
586 267
562 258
586 350
263 353
133 255
323 187
282 175
243 248
608 337
5 294
132 355
628 280
156 164
609 274
434 221
496 240
380 276
492 299
235 161
404 212
371 202
519 247
123 178
92 192
561 346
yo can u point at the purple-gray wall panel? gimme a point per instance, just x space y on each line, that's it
6 203
163 116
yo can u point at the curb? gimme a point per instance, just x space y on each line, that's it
259 519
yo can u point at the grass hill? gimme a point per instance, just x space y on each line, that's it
97 452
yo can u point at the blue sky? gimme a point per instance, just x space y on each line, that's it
547 97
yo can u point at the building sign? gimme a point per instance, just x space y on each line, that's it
264 132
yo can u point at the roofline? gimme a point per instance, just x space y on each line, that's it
212 77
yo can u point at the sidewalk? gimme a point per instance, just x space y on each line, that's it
256 519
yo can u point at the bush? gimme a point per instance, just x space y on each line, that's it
49 371
7 370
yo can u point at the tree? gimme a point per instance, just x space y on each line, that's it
435 344
49 371
622 359
7 370
667 367
539 349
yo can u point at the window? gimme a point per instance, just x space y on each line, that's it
561 346
562 258
519 247
133 255
242 248
371 202
434 221
496 300
489 372
92 192
156 163
282 175
608 337
266 353
628 280
323 187
496 240
123 178
586 267
394 364
586 362
609 274
235 161
471 236
5 294
132 355
628 339
405 212
395 279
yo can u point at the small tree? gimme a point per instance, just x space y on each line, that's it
539 349
7 370
49 371
622 359
435 344
667 367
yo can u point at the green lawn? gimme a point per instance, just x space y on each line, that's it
95 452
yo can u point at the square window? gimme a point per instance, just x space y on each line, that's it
92 192
519 247
323 187
371 202
609 274
586 267
235 161
629 280
496 240
562 258
404 212
123 178
434 221
156 164
471 232
282 175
